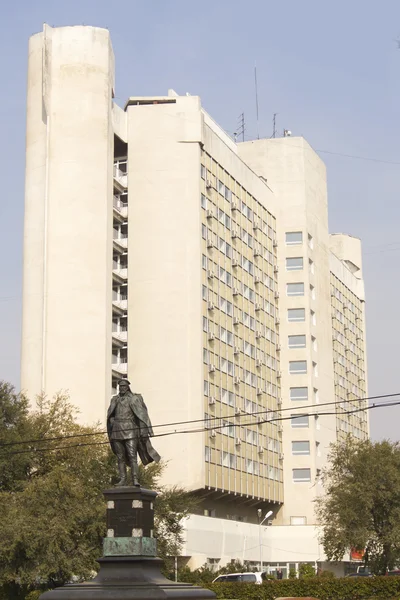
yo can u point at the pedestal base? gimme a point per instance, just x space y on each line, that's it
128 578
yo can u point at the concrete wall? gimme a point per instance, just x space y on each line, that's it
297 176
164 344
66 333
226 540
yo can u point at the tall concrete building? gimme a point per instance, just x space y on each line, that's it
157 248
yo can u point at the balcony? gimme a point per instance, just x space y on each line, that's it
120 336
120 176
120 301
120 270
120 206
121 243
119 367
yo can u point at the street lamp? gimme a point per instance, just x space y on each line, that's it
259 512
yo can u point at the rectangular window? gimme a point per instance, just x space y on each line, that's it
299 420
298 521
203 201
313 317
207 454
297 341
301 447
301 475
298 393
205 324
294 264
311 265
206 388
203 171
295 289
293 238
296 314
204 261
310 241
297 367
312 292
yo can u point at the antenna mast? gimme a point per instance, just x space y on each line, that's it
274 125
256 87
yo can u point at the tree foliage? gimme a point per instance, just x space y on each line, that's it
51 501
361 505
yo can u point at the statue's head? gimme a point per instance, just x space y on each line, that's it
123 385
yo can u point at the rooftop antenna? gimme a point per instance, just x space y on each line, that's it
256 87
274 125
240 128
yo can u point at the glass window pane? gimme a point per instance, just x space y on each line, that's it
294 264
297 341
298 366
296 314
301 474
295 289
299 420
299 393
302 447
293 238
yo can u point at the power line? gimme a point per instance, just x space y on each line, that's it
210 418
214 427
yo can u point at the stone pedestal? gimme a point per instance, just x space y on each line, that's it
129 569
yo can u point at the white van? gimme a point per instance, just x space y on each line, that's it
244 577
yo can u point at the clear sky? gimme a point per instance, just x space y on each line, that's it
330 70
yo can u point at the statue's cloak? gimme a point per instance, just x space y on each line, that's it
140 419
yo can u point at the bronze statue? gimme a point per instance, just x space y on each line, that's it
129 429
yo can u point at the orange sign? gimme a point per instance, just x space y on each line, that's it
356 554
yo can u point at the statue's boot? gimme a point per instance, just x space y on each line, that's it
134 471
122 474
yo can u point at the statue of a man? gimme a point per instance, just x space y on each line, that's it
129 429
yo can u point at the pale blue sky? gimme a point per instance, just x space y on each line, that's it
332 72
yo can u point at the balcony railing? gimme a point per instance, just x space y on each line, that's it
120 367
120 176
120 205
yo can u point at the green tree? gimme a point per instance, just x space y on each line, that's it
51 501
361 505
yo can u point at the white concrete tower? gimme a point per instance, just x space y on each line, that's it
67 285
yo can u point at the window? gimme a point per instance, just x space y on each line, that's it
310 241
301 447
207 454
299 420
203 171
294 264
296 314
204 261
315 396
301 475
315 369
314 343
293 238
203 201
206 388
205 324
297 367
298 393
204 232
312 292
295 289
313 317
298 521
297 341
311 265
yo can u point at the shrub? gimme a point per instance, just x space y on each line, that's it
351 588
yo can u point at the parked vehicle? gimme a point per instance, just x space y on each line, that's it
246 577
394 572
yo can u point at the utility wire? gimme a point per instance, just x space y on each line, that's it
205 429
210 418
